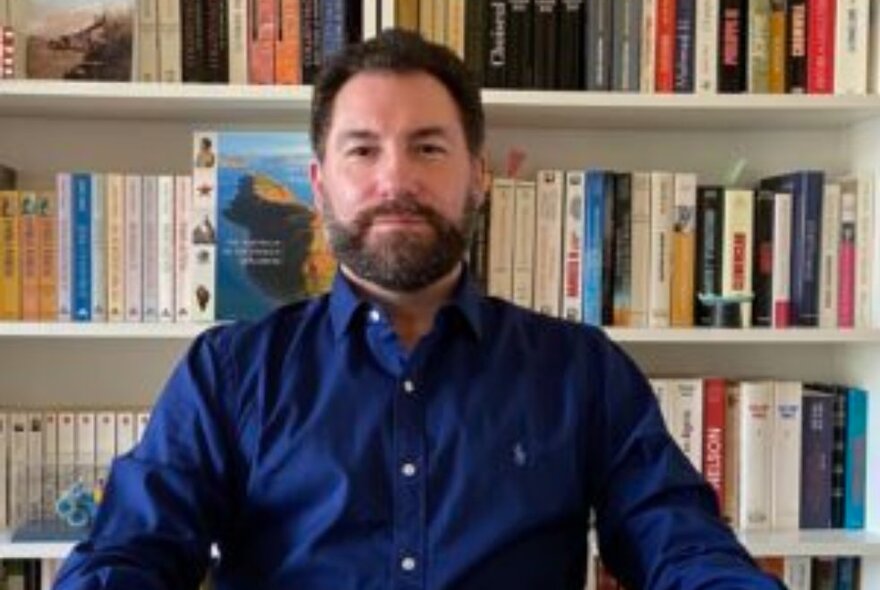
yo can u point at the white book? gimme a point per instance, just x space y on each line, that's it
663 389
99 248
647 53
182 264
115 247
141 420
125 435
662 198
150 248
66 450
640 241
736 256
203 251
147 41
369 19
170 54
874 49
797 572
456 27
389 14
85 448
4 463
851 47
756 452
18 462
105 445
687 418
502 214
133 249
785 482
706 47
35 467
238 41
64 189
524 244
781 257
866 254
573 247
165 259
548 243
875 268
440 29
828 274
50 462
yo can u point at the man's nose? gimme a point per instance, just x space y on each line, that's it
396 174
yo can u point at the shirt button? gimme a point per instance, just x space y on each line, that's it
408 564
408 469
409 386
374 316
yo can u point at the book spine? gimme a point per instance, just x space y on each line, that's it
8 52
85 448
47 256
29 246
573 246
34 466
785 483
548 242
762 260
238 41
851 47
714 452
133 249
733 36
150 248
736 256
707 282
455 23
809 225
333 32
683 251
124 432
105 446
64 189
664 47
647 55
4 469
475 35
182 254
524 244
261 45
817 441
310 34
622 297
756 440
216 40
706 47
641 249
662 188
732 444
98 228
854 494
10 257
501 238
497 60
598 45
288 59
18 444
687 419
758 69
522 23
593 224
50 463
865 253
177 31
847 259
776 64
165 249
821 16
828 270
203 245
608 249
81 258
796 42
440 22
148 40
685 33
838 451
571 34
546 44
782 261
141 421
66 450
115 247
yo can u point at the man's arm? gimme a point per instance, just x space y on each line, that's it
166 500
657 519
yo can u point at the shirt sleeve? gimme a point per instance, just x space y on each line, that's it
165 501
656 517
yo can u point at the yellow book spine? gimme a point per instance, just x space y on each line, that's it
10 264
47 255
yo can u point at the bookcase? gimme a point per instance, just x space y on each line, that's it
47 127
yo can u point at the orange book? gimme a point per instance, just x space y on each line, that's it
777 47
664 47
288 57
47 255
407 15
684 224
261 41
30 290
10 263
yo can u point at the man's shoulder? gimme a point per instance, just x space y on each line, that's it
540 327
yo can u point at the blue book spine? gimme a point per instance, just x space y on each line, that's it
818 442
855 459
332 26
594 219
685 32
81 240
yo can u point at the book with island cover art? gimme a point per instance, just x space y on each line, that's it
271 247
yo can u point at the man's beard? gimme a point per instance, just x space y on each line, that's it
402 260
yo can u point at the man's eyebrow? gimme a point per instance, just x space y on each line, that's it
356 135
429 132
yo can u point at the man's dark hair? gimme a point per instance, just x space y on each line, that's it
402 52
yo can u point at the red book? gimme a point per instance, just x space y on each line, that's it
261 41
714 404
820 46
664 47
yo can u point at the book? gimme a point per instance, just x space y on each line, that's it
502 228
683 251
80 39
817 441
548 242
270 245
10 257
785 483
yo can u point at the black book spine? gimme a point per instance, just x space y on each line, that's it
475 18
733 34
622 249
838 458
546 43
598 45
710 208
496 46
192 32
608 250
685 34
796 47
762 263
310 31
520 21
214 19
571 34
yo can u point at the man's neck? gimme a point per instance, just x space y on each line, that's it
411 313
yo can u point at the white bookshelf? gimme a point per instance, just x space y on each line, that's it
50 126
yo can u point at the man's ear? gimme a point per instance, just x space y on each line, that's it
480 178
316 180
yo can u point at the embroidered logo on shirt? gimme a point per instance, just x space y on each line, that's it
520 456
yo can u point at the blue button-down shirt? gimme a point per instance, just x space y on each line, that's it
317 453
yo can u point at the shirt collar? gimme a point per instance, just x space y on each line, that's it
346 304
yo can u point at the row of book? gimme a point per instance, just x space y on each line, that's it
796 572
702 46
43 452
780 455
658 249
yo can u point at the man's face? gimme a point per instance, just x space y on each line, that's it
397 187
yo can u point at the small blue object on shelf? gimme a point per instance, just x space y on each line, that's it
77 505
75 511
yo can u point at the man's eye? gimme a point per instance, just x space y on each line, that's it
431 149
361 151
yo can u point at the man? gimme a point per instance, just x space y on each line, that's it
403 431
